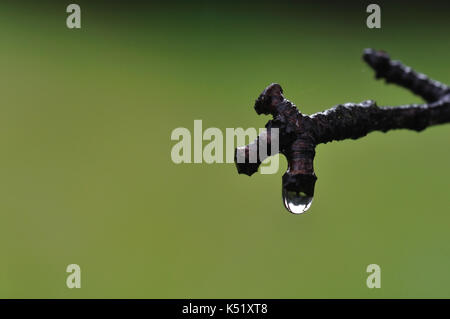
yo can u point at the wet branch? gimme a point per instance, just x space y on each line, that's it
356 120
299 133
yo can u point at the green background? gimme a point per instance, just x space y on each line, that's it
87 178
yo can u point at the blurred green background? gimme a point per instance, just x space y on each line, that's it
87 178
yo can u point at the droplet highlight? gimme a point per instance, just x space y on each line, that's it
296 202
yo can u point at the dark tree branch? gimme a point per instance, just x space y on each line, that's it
250 166
356 120
299 134
396 72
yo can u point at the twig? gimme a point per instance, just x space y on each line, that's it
299 133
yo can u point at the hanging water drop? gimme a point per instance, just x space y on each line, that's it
296 202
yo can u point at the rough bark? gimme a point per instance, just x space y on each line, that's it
299 134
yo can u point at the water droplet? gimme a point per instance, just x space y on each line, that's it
296 202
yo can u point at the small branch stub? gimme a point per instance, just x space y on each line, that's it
299 133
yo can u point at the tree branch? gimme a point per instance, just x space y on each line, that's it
299 134
242 155
356 120
396 72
